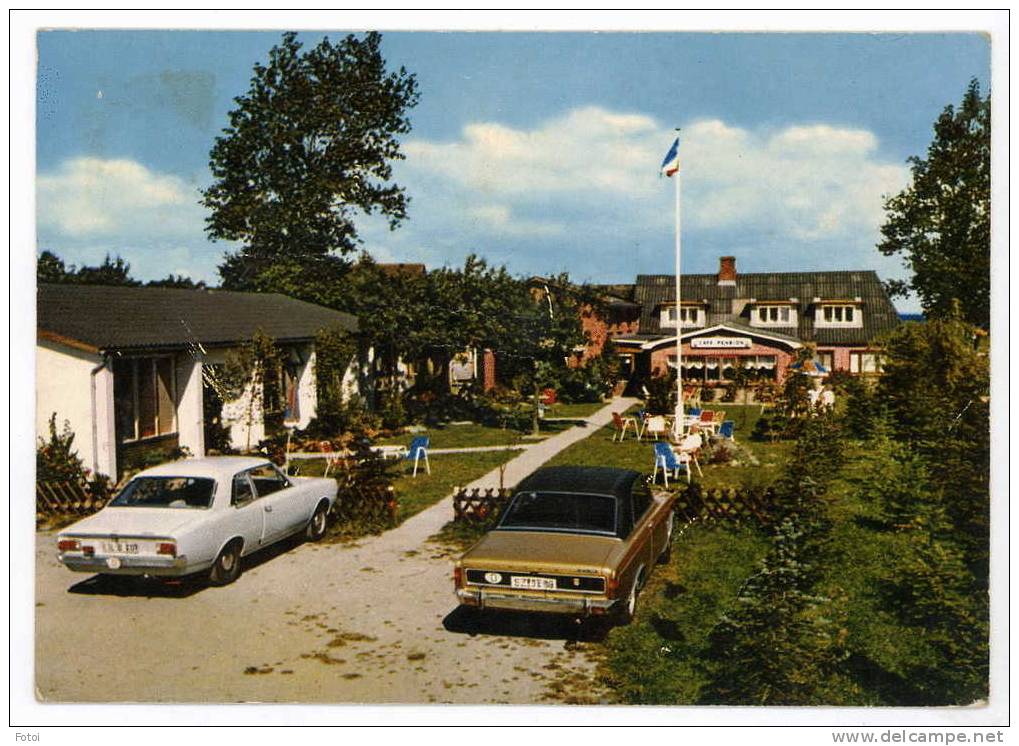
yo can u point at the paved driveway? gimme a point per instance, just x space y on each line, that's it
373 621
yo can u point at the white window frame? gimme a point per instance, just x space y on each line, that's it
839 315
689 316
856 362
775 310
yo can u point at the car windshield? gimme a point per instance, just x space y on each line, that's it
166 492
561 511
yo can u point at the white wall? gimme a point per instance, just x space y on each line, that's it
307 393
64 385
190 417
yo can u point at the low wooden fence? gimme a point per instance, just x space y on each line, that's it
477 506
693 502
733 504
65 498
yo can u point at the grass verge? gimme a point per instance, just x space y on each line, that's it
449 471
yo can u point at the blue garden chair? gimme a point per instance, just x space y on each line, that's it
667 459
417 450
727 430
694 411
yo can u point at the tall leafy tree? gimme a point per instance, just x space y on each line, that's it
308 147
941 222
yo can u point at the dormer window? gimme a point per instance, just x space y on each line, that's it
688 316
773 315
838 314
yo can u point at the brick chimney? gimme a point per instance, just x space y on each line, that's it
727 271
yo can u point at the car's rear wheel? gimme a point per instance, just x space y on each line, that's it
628 609
318 523
227 567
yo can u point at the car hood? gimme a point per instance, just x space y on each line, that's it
540 551
136 522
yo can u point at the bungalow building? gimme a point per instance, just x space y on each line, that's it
758 319
136 369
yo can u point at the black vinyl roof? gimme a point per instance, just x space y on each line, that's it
117 317
590 480
729 303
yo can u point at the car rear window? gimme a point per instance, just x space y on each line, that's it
561 511
166 492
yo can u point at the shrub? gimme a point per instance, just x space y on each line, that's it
348 416
661 394
707 394
56 460
366 502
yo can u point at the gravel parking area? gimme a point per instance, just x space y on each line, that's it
374 621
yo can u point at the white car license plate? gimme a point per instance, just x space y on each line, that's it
120 547
540 584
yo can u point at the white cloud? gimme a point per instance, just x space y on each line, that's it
804 182
89 207
96 197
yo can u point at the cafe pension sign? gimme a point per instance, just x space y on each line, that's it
721 343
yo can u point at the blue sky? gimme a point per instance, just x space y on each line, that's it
538 151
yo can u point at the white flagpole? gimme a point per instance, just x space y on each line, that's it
678 426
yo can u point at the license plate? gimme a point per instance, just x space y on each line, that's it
120 547
540 584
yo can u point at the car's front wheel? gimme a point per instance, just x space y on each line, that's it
317 525
227 567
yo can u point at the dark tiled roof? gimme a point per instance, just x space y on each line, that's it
152 317
728 303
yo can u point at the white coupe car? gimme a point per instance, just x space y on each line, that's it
197 515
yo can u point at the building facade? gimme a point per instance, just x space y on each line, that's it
141 369
755 321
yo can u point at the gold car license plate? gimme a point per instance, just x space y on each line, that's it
120 547
540 584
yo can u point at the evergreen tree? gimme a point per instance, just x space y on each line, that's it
936 386
941 222
782 642
931 589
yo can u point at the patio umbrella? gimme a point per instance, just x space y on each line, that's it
810 368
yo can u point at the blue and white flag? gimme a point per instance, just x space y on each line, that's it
671 163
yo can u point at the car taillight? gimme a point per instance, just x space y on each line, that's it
68 545
611 586
89 550
458 576
167 547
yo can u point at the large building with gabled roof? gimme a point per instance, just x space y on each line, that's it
760 320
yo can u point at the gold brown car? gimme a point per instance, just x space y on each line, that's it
577 540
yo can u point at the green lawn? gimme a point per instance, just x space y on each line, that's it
660 657
461 436
449 470
471 434
580 409
600 450
657 659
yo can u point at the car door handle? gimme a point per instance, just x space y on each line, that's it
268 508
